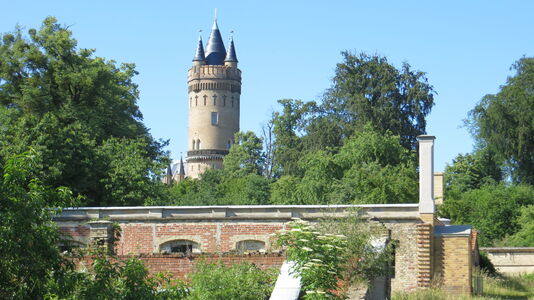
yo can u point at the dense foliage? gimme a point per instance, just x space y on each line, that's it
28 238
491 187
492 209
110 278
79 113
504 122
242 281
370 167
368 89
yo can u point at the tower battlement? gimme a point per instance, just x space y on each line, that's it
213 71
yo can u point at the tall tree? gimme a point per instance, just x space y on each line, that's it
505 121
472 171
245 155
71 106
28 237
288 144
492 209
368 89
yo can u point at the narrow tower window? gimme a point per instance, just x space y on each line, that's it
196 100
205 99
232 101
224 100
194 144
198 144
214 118
214 100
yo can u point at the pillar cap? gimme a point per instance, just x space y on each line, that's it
424 137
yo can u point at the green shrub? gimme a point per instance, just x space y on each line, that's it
242 281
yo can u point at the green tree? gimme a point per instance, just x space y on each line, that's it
376 169
492 209
369 168
524 237
108 277
249 189
288 144
471 171
504 123
28 236
245 155
240 281
70 106
368 89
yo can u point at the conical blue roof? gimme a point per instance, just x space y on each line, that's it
199 55
182 169
230 55
215 51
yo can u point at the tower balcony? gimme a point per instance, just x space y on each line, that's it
206 154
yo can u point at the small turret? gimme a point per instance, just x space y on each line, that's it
167 179
181 174
231 57
200 58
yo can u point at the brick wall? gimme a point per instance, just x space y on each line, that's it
216 230
179 266
452 263
405 236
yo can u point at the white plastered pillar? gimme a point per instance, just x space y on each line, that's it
426 173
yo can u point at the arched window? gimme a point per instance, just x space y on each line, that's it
180 246
194 145
250 245
198 144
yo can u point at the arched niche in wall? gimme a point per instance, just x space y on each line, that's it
250 246
68 245
180 246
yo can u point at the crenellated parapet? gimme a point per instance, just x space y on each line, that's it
215 72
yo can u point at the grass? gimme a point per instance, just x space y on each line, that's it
500 287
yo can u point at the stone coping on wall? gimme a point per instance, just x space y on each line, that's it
237 212
453 230
508 249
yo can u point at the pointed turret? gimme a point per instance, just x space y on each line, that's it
215 51
182 168
231 57
167 179
199 54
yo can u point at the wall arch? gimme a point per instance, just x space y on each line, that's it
250 246
180 246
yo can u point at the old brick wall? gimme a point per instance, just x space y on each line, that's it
405 235
452 263
212 237
217 230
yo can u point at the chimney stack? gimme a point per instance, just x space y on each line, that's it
426 180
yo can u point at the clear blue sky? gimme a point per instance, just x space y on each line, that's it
289 49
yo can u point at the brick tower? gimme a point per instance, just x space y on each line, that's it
214 83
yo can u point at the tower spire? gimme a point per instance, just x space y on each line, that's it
199 54
215 51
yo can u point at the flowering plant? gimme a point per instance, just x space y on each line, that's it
319 258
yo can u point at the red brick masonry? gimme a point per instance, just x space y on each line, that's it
180 265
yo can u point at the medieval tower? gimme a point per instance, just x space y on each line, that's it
214 85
